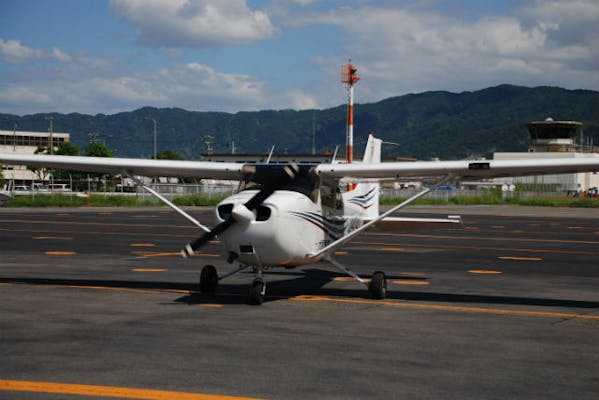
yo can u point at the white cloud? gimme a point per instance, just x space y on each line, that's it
400 50
194 23
82 88
14 52
59 55
299 100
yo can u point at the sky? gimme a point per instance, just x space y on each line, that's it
100 56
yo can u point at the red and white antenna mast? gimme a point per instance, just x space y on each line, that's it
348 76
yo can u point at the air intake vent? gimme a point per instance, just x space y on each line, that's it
246 249
224 211
262 213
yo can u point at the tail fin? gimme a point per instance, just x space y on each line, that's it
363 201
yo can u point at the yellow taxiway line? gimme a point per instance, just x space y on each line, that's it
109 391
447 308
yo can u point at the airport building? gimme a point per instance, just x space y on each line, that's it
551 140
24 142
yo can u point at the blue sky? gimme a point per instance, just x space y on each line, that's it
94 56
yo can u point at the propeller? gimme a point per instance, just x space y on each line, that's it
286 175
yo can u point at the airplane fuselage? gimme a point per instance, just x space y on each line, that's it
284 231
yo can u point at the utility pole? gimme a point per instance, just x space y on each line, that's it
314 133
153 120
14 138
51 119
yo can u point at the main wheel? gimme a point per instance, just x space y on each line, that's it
378 285
208 279
257 292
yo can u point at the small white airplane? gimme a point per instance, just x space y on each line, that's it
293 215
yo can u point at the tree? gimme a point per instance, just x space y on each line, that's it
168 155
97 149
67 149
1 179
42 173
171 155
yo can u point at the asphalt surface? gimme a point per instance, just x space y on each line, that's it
98 302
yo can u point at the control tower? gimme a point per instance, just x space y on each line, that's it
553 136
551 139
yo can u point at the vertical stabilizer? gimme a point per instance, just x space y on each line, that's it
363 201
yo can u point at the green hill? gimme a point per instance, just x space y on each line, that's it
431 124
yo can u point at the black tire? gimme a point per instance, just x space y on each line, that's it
257 291
208 279
378 285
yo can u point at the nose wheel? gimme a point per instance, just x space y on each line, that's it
257 292
208 279
257 289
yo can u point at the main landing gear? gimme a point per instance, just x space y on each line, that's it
377 286
208 279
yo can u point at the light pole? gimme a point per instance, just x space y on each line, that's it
51 119
153 120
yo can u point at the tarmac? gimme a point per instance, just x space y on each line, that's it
98 302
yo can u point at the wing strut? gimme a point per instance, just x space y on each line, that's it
328 249
168 203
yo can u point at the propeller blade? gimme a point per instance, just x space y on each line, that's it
197 244
288 173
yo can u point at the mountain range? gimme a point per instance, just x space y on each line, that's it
425 125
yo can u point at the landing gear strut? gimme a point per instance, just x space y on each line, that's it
377 285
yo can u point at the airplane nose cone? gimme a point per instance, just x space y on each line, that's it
241 214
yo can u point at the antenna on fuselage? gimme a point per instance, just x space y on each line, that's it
272 149
334 155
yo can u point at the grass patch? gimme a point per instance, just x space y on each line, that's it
197 200
493 198
62 200
98 200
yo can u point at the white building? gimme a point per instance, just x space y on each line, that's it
553 139
24 142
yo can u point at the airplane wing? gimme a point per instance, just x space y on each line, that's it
129 166
462 168
234 171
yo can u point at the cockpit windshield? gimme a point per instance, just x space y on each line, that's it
306 181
